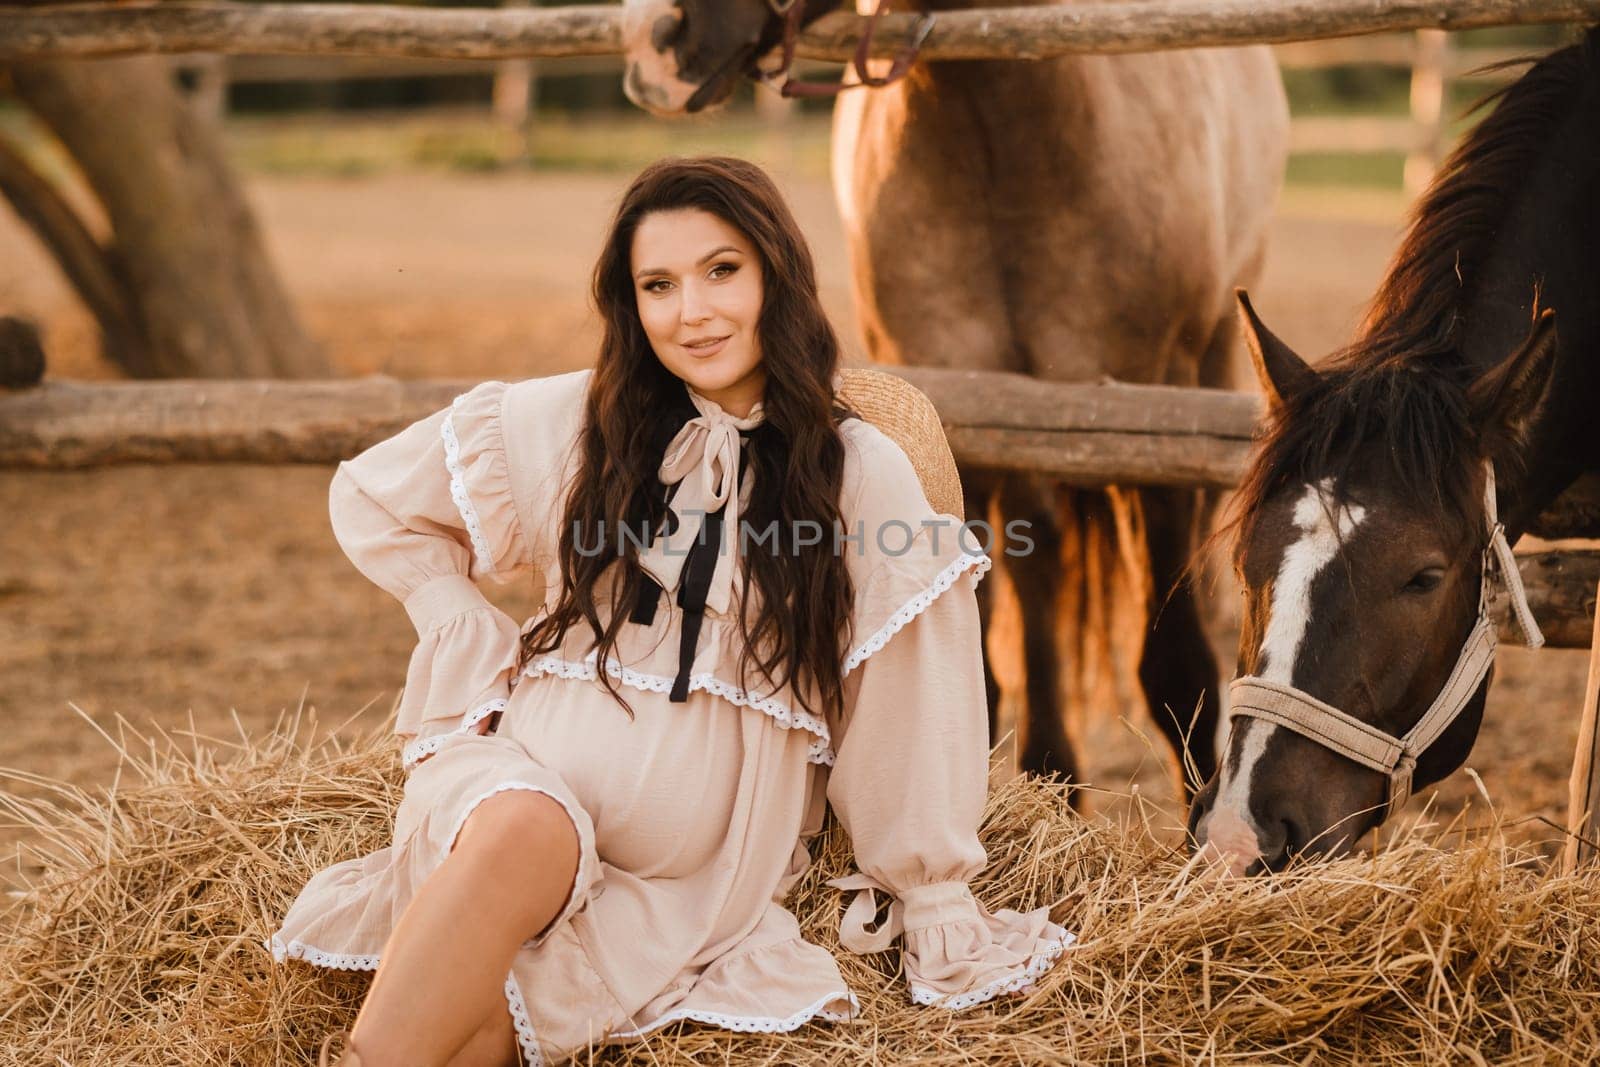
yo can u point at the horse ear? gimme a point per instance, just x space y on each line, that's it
1281 372
1507 395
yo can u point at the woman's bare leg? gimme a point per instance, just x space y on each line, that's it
494 1045
445 965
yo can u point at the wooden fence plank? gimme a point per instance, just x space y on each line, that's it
1561 590
1427 109
995 33
1088 434
1583 788
1141 434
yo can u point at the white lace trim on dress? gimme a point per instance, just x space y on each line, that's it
413 753
956 1002
458 489
514 1002
754 1024
531 1054
916 606
821 750
299 950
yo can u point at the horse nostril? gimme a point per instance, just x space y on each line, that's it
1281 848
1197 810
666 29
1272 842
1294 838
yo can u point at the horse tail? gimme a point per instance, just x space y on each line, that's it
1068 630
1106 590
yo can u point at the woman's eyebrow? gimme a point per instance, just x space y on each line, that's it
713 254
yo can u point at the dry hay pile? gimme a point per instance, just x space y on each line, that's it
142 944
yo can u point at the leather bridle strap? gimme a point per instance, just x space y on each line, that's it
1507 565
1396 757
1322 723
793 14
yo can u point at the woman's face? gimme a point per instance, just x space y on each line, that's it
697 281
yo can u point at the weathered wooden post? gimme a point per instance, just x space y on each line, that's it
1583 791
516 84
1427 108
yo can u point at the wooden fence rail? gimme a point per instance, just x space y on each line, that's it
995 33
1092 434
1089 434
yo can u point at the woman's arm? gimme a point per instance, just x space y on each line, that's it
909 784
910 776
422 515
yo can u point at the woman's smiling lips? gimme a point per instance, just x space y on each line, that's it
705 346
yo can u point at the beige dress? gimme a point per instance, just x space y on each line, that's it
693 817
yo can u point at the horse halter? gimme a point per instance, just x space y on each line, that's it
1396 757
792 12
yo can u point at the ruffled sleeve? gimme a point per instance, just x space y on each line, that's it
423 514
910 774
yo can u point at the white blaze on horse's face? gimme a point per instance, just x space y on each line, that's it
1228 831
1324 525
652 80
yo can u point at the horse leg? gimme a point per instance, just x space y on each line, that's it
1178 669
1036 576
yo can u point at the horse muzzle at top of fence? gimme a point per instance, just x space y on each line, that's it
1396 757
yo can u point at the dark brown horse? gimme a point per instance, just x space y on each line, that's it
1363 521
1074 219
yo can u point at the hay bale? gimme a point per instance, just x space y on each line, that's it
142 943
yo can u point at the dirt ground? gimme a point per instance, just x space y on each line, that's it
213 598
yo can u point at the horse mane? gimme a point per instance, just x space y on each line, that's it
1401 386
1417 306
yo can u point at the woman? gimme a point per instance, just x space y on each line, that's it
607 807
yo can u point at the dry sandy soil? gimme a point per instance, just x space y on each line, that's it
198 597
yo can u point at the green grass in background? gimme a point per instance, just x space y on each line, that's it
1367 170
472 141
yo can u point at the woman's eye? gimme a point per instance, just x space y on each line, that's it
660 285
1425 580
722 270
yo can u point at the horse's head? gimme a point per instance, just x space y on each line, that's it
1362 537
688 55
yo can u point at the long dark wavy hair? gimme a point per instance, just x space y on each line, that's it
635 406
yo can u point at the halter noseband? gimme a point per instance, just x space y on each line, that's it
1396 757
792 12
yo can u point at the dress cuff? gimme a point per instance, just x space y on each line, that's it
438 600
457 668
956 953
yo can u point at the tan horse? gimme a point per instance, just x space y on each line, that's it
1076 219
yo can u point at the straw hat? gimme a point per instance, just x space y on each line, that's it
906 415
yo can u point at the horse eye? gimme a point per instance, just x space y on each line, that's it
1425 580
